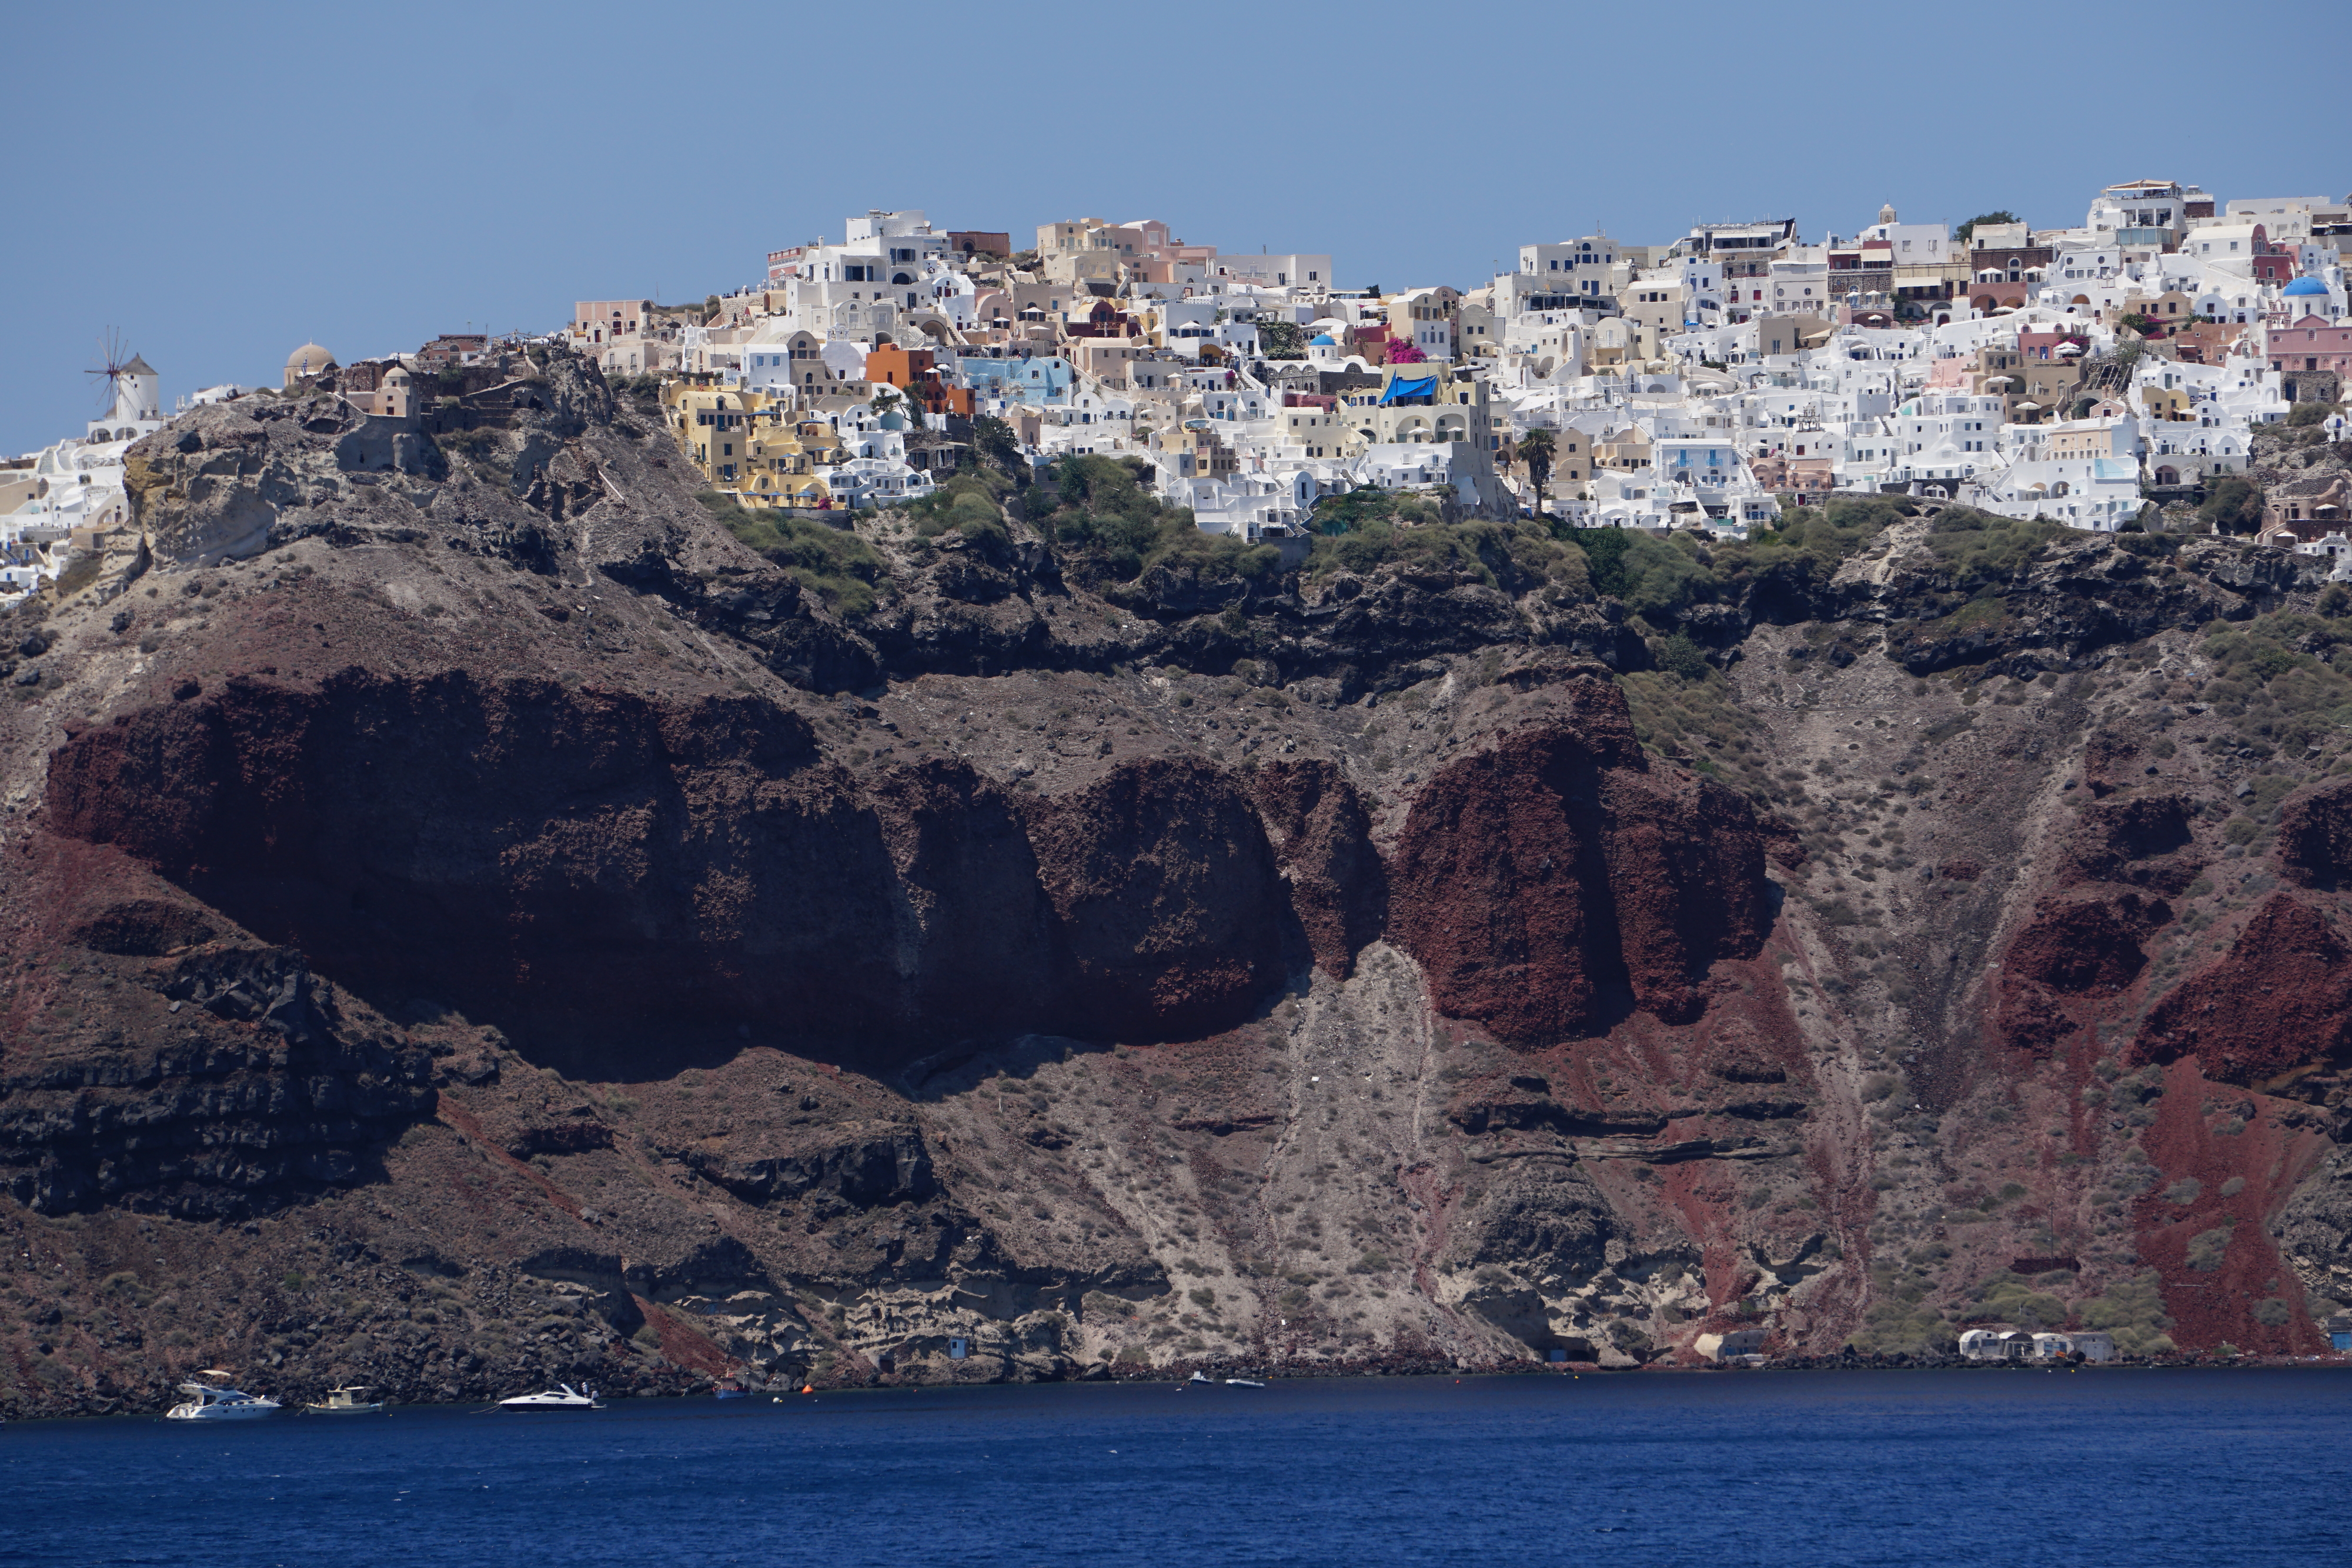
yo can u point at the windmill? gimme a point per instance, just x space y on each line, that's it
114 363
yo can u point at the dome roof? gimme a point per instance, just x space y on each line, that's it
310 359
2305 285
1321 340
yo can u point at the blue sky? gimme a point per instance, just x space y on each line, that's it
229 180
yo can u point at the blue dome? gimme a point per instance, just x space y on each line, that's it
1321 340
2305 285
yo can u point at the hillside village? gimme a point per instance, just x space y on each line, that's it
2108 375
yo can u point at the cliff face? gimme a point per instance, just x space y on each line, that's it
474 921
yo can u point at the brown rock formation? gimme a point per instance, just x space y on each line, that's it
2281 999
1554 883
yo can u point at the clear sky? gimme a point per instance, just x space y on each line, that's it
222 181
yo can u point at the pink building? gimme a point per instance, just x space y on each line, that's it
2311 344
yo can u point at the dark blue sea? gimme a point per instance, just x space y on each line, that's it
1743 1471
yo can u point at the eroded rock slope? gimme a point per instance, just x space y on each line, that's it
474 921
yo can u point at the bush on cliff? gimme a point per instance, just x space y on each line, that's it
2013 1297
1662 579
967 503
833 564
2283 679
1515 557
1979 549
1111 528
2133 1310
1656 578
2232 506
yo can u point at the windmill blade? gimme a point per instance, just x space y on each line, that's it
111 359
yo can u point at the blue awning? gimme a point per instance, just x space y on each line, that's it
1401 389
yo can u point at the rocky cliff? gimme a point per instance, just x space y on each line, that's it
476 919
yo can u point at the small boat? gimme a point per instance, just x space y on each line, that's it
218 1402
1203 1378
729 1391
563 1397
346 1401
1243 1382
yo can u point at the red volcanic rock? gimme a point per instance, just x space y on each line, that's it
2075 946
1551 884
1321 832
2086 943
2283 996
585 865
2108 759
2135 839
1168 897
2315 840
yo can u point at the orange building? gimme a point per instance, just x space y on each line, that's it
914 373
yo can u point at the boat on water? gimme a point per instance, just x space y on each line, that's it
215 1401
1203 1379
350 1400
729 1391
563 1397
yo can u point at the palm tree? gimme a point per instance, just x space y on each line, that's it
1535 450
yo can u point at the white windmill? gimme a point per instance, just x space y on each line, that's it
128 398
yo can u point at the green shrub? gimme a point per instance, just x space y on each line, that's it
1368 504
2282 679
1112 529
2305 413
1516 557
1679 656
2274 1313
2014 1298
834 563
2206 1249
1980 548
1656 578
2133 1310
2232 504
966 503
2184 1192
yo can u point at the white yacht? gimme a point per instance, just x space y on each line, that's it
218 1402
346 1401
563 1397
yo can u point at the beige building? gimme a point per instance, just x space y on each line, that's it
1110 360
1656 303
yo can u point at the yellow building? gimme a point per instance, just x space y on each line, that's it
747 444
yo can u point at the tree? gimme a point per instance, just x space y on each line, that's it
1969 229
884 401
1281 339
2232 506
1535 450
993 440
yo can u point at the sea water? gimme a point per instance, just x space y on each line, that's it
1753 1469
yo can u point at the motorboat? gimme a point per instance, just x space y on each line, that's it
729 1391
1243 1382
1201 1378
346 1401
563 1397
215 1401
